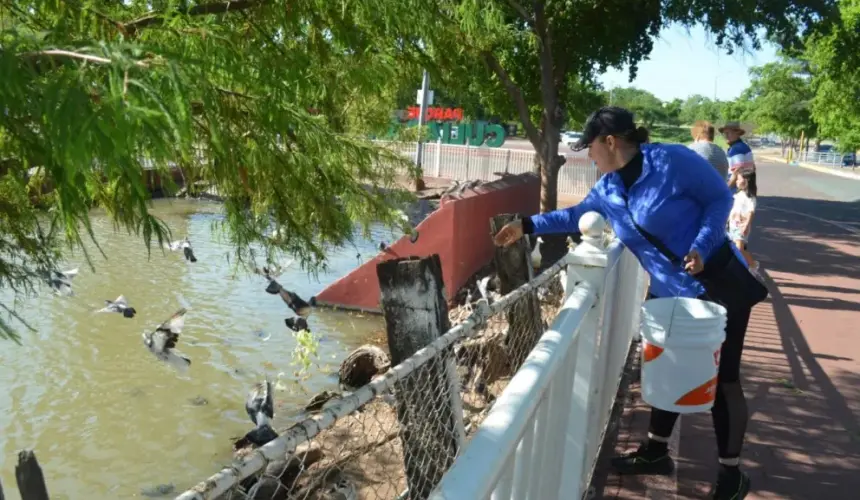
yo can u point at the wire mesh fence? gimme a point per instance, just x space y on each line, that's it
395 437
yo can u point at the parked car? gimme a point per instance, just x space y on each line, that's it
849 160
568 138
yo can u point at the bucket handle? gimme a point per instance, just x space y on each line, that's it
675 304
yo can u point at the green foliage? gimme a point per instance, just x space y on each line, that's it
670 134
537 56
834 61
305 352
91 89
672 111
699 107
779 99
647 108
739 109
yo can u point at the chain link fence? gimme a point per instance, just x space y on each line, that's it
395 437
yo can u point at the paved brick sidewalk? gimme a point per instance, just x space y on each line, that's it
801 364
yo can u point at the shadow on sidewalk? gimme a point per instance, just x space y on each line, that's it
837 211
796 241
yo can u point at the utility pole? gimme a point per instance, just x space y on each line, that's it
424 97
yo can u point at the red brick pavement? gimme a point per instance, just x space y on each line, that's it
801 371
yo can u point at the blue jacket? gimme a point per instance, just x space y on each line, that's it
679 198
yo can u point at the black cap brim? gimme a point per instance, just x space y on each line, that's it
583 143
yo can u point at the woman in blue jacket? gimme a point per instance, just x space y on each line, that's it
667 193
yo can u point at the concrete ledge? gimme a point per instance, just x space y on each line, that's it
459 231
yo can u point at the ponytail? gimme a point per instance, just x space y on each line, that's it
641 135
637 136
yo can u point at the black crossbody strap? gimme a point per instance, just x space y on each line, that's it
657 243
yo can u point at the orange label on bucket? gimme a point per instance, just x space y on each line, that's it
701 395
651 351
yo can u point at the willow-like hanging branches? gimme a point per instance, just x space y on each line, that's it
92 90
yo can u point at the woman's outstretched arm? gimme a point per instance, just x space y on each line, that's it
565 220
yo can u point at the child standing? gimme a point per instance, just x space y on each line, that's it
743 209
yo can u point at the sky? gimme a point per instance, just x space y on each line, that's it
683 64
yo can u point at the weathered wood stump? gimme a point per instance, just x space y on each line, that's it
513 266
428 405
28 475
362 365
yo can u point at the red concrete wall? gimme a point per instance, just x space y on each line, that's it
459 232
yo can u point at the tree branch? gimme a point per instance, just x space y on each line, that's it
524 15
516 94
59 53
157 18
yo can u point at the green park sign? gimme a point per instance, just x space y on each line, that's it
447 125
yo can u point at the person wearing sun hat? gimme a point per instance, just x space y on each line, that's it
739 153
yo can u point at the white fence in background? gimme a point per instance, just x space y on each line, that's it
541 438
538 438
830 159
448 161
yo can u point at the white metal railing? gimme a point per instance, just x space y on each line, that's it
449 161
542 437
826 158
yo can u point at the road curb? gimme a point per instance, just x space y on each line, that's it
823 170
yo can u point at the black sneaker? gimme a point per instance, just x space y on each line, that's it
644 461
731 487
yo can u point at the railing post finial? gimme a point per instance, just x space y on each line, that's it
591 225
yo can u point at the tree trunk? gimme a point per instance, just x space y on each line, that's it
549 163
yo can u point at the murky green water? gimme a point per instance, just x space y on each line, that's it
105 417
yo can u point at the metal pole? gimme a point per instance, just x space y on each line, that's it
422 114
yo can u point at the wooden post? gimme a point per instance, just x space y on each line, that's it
28 474
513 266
428 400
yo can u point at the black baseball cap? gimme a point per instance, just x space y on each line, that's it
608 120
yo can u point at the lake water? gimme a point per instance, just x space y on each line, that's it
105 417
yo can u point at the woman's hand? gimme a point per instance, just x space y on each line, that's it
509 234
693 262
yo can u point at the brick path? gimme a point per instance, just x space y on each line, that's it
801 360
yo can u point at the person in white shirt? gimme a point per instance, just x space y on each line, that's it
743 210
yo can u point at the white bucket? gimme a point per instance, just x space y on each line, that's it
681 342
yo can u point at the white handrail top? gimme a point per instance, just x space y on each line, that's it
499 434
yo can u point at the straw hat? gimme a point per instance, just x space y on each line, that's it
734 125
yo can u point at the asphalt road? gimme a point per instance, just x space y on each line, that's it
796 189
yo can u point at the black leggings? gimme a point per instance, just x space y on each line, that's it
729 412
